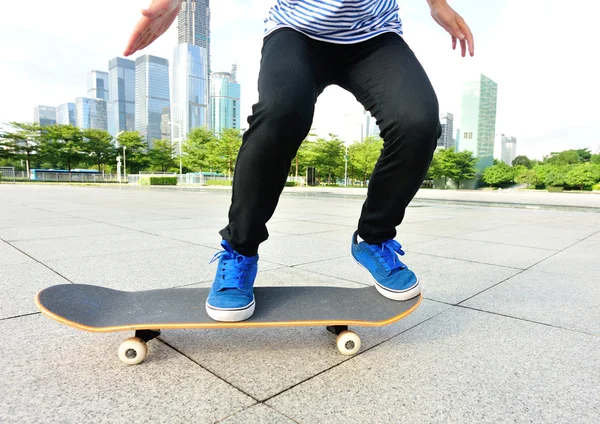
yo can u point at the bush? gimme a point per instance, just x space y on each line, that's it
596 187
218 182
291 184
555 178
158 180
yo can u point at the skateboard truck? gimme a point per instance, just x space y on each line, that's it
134 350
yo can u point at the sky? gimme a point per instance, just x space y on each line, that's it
540 52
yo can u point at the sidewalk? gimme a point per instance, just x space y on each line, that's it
509 330
523 198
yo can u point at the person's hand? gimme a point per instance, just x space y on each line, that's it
155 21
456 26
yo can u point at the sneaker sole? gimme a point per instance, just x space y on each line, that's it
230 315
406 294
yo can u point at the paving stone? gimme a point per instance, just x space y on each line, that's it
19 284
11 256
53 373
59 231
460 366
561 300
258 414
483 252
145 270
294 354
78 247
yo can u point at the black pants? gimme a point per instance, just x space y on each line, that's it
385 76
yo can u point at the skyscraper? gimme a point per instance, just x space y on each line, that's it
224 102
121 79
44 115
91 113
98 88
370 128
193 25
65 114
478 120
189 105
505 148
446 140
97 85
152 96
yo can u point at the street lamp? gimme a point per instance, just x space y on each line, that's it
124 164
179 133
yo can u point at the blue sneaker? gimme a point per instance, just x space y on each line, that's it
392 278
232 295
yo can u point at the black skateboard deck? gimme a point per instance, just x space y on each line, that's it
100 309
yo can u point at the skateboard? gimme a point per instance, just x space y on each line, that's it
102 310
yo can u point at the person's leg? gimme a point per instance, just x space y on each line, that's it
293 73
386 77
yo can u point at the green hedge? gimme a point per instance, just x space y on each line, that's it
290 184
596 187
158 180
217 183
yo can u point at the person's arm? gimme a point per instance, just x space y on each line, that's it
154 22
452 22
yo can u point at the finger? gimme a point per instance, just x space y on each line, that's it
134 39
455 31
144 41
468 37
463 47
453 42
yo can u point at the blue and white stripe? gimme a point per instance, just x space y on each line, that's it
336 21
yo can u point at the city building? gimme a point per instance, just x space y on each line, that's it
478 120
97 85
370 128
65 114
121 80
224 102
446 140
505 148
152 96
44 115
193 25
189 99
98 88
91 113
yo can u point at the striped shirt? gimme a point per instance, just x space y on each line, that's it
336 21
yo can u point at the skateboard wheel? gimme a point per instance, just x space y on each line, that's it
133 351
348 343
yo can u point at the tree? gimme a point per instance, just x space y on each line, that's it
498 174
98 144
197 149
443 165
329 157
464 163
161 155
22 143
62 145
555 178
524 161
364 155
542 171
567 157
526 176
582 175
595 159
226 148
301 154
137 158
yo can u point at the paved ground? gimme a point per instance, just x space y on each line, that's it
509 330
